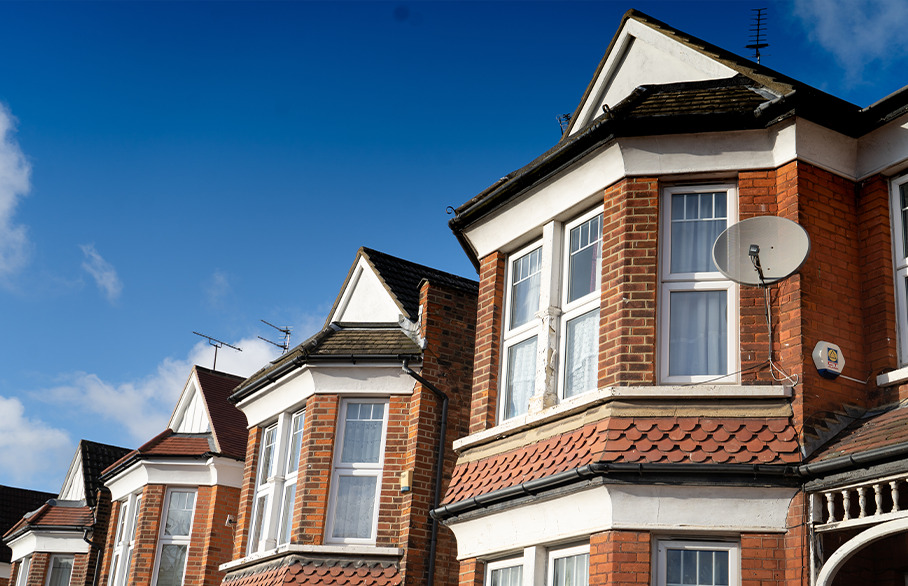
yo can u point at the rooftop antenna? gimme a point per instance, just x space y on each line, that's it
217 344
563 121
758 32
285 345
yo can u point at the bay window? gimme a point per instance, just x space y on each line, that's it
276 482
551 318
696 563
900 255
357 470
569 567
125 539
61 569
176 533
22 575
698 304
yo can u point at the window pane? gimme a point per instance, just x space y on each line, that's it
689 567
135 517
60 571
903 192
267 454
571 571
585 254
521 377
24 566
287 513
512 576
581 349
362 433
122 515
258 522
693 235
172 564
179 513
705 567
721 568
525 275
698 333
673 566
296 438
355 507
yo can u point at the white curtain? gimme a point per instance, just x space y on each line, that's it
581 354
698 333
60 571
179 513
697 220
572 570
355 506
521 377
525 280
171 565
512 576
362 433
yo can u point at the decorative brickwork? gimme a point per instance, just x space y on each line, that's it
627 319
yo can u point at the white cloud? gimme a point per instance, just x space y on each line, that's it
31 452
104 274
218 289
856 32
14 185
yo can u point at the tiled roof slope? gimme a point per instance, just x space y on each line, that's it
52 515
616 440
228 423
724 96
14 503
402 278
95 458
875 431
320 573
167 443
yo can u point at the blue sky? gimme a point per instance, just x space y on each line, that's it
168 167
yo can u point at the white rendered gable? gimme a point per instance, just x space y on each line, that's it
191 414
643 56
74 484
365 298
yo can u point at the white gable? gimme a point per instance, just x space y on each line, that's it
191 414
74 483
365 298
643 56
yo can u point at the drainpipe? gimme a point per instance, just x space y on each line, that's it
439 463
91 543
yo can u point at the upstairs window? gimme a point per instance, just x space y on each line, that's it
61 569
125 539
900 244
276 482
556 279
176 533
356 476
698 304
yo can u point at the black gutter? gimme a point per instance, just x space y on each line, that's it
439 464
599 469
861 460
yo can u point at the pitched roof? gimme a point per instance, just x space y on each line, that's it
14 503
54 515
327 572
228 424
95 458
632 440
874 432
166 444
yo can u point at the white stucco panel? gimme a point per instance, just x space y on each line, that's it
47 542
365 298
699 509
827 149
883 148
210 472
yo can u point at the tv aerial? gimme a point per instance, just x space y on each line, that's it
217 344
760 252
285 344
757 33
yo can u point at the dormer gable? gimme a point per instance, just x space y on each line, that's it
190 414
203 407
74 484
365 297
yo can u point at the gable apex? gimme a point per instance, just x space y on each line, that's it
365 297
190 414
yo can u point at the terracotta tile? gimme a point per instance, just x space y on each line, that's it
709 425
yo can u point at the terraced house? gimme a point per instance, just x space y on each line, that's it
350 434
637 416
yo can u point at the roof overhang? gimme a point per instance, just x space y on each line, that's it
49 540
175 471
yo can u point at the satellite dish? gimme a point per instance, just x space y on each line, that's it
761 250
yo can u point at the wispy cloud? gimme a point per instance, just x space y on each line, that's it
858 33
104 274
14 185
30 450
218 288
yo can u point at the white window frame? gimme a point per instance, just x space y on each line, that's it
50 567
900 268
22 573
124 539
272 487
185 540
565 552
663 545
555 253
503 564
339 469
696 281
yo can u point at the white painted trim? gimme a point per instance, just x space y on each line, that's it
47 542
5 570
668 509
354 551
216 471
852 546
662 545
893 377
582 402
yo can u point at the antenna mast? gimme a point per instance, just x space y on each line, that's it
285 345
758 32
217 344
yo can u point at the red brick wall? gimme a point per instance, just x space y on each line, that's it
472 572
620 558
627 320
315 469
37 571
104 568
490 305
247 494
212 540
149 524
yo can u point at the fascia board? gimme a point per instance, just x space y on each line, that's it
47 542
211 471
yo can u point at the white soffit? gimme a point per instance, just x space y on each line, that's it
697 509
644 56
365 298
190 414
